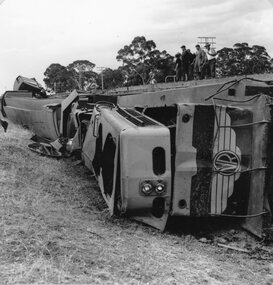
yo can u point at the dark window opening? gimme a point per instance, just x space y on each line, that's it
70 127
108 164
159 161
158 207
98 153
84 123
231 92
163 115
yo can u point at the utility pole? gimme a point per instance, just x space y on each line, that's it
101 69
203 40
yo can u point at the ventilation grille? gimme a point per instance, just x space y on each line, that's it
136 118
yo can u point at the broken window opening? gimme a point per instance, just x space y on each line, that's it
108 164
98 153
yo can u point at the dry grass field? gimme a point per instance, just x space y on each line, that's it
55 229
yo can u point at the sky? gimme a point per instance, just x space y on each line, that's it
37 33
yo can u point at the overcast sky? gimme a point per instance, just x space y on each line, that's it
36 33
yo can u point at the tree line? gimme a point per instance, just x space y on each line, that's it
143 63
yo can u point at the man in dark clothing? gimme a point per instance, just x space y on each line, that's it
191 62
177 67
185 57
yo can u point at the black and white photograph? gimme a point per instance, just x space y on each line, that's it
136 142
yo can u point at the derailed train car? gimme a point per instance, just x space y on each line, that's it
199 149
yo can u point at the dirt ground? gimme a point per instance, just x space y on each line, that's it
55 228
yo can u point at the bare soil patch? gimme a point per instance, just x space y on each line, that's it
55 228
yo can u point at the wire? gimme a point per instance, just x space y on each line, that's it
217 122
241 216
240 101
235 81
220 90
246 125
242 171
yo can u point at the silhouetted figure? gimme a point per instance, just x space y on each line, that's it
191 61
210 61
185 58
178 67
199 68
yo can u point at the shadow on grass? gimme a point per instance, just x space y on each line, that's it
200 227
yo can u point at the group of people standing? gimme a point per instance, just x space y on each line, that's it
200 65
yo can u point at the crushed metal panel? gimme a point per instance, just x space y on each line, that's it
257 196
29 84
133 163
101 148
220 161
33 113
66 109
185 160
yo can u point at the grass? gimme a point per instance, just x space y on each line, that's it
55 229
38 198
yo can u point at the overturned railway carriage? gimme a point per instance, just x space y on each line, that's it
202 150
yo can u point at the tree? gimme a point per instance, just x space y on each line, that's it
58 78
242 59
226 62
136 56
77 75
82 73
112 78
163 64
141 58
261 60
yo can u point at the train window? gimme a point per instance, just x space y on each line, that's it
159 161
98 154
108 164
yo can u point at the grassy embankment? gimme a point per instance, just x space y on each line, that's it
55 228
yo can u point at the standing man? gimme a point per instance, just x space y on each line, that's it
185 58
191 60
177 67
211 60
198 63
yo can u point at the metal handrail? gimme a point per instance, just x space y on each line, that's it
170 76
